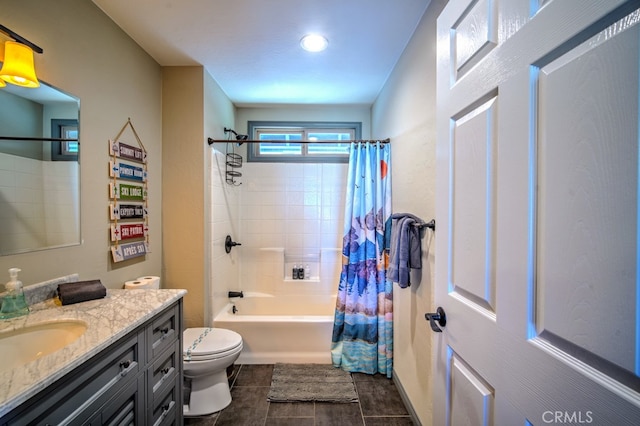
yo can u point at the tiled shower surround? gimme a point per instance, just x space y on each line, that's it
280 213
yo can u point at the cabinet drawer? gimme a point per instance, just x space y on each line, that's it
165 409
126 408
163 371
83 392
163 331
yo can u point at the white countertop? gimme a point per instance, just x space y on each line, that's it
108 319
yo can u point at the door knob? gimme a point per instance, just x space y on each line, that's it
439 317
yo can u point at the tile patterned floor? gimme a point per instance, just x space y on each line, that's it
380 404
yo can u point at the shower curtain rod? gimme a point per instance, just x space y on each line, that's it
240 142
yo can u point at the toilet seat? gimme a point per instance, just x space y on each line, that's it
205 343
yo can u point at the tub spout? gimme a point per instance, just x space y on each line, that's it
236 294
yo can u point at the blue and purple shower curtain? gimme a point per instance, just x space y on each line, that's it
363 327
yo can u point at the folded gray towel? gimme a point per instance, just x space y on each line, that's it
81 291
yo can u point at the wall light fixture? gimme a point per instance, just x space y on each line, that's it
17 64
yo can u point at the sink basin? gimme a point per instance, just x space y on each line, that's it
19 347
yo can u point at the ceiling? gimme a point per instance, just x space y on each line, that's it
252 47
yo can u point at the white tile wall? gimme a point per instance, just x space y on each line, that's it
282 209
28 189
279 210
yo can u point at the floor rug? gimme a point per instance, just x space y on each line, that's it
311 382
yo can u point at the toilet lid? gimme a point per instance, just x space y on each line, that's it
199 342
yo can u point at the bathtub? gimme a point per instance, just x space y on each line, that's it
282 328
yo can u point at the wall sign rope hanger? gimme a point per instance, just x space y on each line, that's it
133 129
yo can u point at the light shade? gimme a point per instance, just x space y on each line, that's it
314 43
18 65
2 83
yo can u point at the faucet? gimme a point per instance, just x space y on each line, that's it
236 294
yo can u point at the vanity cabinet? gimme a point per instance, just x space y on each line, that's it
137 380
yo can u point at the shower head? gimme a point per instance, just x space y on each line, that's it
238 137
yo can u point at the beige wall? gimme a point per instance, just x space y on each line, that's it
87 55
405 112
183 185
194 108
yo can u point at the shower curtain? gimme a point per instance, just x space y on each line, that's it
363 326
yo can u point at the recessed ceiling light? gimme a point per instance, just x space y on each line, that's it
314 43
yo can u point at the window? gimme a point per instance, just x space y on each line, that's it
64 150
69 132
291 150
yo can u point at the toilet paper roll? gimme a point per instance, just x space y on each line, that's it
152 278
145 282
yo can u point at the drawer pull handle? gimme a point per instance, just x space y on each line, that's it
166 408
165 370
164 332
126 367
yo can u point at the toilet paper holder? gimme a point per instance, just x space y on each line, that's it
229 243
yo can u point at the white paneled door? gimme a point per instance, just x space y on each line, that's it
538 247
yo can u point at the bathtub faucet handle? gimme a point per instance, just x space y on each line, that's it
229 243
236 294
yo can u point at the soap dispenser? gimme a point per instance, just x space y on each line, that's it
14 303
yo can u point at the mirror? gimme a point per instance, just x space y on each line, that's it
39 169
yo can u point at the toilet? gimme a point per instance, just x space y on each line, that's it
207 352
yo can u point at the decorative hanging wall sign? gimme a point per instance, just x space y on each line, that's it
128 231
127 171
129 251
135 205
123 191
127 211
122 150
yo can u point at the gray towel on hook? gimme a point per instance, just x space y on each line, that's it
405 248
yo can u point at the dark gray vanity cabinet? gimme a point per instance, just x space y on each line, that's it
164 371
137 381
